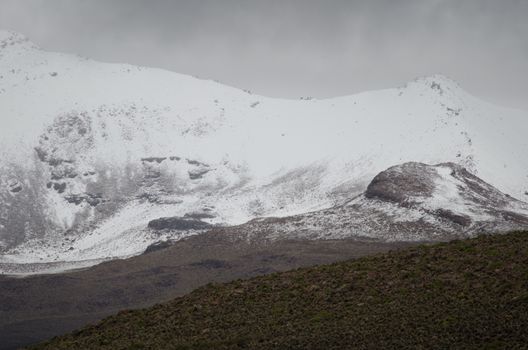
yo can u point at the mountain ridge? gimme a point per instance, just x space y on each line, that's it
92 152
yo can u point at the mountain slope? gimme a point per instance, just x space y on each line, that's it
464 294
411 202
407 202
91 152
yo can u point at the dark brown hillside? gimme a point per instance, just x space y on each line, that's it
470 294
36 308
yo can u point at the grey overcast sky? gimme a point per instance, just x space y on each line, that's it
289 48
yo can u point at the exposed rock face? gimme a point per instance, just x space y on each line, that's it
197 173
154 159
178 223
15 186
399 184
90 198
461 220
154 247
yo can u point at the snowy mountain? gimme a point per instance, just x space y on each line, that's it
408 202
91 152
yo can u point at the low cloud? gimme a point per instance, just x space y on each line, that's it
296 48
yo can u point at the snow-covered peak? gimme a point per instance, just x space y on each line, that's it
10 39
439 86
441 91
438 79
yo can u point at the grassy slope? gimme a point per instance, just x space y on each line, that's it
36 308
463 294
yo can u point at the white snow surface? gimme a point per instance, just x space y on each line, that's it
262 156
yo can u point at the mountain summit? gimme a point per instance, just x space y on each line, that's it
10 39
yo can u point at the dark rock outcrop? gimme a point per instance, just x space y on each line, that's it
462 220
153 159
154 247
90 198
400 183
63 173
15 186
178 223
59 187
197 174
195 162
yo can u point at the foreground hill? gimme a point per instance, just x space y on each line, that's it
462 294
39 307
